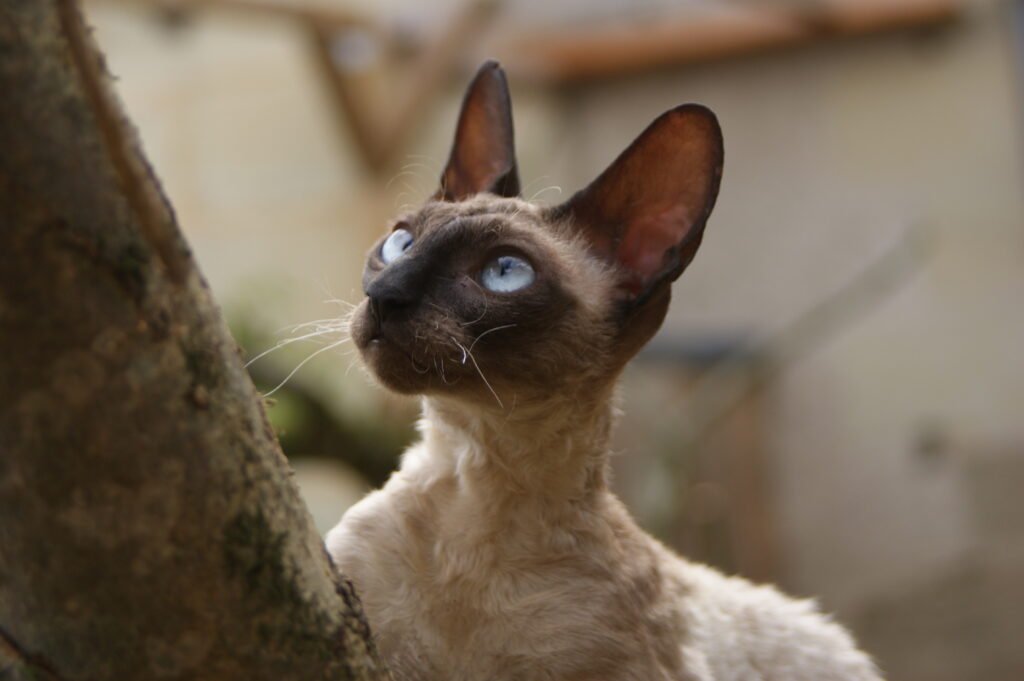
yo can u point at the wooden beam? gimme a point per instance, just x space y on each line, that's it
567 55
325 17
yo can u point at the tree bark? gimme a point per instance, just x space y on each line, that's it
149 528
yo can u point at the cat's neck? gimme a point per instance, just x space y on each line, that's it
552 451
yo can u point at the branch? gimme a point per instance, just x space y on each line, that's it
150 525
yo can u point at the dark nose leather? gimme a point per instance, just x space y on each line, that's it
386 304
393 293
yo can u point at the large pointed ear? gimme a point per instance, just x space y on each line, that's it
483 157
645 213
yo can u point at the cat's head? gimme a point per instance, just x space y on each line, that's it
483 296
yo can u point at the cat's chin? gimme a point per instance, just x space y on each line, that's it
390 363
393 367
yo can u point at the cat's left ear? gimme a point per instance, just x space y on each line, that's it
645 214
483 157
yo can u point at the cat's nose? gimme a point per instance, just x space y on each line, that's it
388 298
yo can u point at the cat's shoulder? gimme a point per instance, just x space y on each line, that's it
381 518
741 630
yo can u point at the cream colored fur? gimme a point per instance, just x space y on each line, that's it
497 552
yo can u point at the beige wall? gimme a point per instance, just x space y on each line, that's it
831 152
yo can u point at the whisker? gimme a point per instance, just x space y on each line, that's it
496 328
409 188
534 182
553 187
291 328
406 171
486 306
302 364
331 323
439 363
425 161
477 367
342 303
351 362
446 313
289 341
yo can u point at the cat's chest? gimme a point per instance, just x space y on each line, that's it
509 622
447 605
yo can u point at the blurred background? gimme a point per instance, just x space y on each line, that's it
835 402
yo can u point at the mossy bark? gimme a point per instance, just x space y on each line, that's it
149 528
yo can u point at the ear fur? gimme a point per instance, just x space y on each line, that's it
483 154
646 212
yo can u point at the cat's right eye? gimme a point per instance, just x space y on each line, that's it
397 243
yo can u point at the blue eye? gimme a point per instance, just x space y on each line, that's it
507 273
395 245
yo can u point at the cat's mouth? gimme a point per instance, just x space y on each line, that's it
370 335
387 351
423 354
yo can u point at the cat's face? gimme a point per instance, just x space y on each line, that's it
483 296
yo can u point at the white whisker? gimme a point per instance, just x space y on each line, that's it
553 187
404 172
482 314
439 363
342 303
302 364
329 324
352 362
289 341
496 328
477 367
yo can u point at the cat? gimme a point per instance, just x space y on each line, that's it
497 551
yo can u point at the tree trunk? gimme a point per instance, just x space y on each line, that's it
149 528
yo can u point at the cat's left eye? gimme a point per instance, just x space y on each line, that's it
507 273
395 245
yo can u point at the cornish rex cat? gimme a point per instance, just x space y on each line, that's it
497 551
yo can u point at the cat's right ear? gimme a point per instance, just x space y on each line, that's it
483 157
